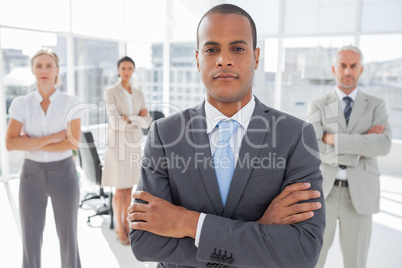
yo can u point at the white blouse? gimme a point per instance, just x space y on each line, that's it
35 123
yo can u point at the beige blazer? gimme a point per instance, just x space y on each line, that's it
353 147
123 154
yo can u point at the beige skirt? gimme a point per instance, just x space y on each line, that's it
122 166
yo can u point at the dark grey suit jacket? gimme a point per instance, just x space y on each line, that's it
277 150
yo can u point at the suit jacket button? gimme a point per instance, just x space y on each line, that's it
214 256
230 260
220 257
224 259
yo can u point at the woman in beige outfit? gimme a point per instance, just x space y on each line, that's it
127 115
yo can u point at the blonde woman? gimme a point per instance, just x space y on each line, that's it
42 125
127 115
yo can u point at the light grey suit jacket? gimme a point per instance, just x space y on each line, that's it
353 147
274 154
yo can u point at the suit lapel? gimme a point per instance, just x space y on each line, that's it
201 141
333 109
122 99
248 151
357 111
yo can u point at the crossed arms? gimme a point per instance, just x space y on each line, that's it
60 141
346 149
289 232
161 217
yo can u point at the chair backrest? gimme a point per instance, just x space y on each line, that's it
155 115
89 158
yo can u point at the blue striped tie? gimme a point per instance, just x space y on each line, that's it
223 157
347 112
348 108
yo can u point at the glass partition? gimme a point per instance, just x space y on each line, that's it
307 73
382 75
95 68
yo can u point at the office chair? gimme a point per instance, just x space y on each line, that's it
155 115
92 167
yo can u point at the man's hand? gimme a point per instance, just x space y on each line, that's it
377 129
285 209
328 139
162 217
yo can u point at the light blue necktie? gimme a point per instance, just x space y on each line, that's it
224 158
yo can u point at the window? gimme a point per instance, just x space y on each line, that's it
307 73
264 13
180 77
46 15
264 77
148 73
184 15
381 15
138 14
183 65
156 76
307 35
320 16
382 75
171 76
188 77
95 69
105 19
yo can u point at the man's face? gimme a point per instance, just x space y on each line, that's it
226 59
347 70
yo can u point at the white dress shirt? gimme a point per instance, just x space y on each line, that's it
342 174
35 123
214 116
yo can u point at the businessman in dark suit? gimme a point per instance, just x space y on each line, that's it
230 183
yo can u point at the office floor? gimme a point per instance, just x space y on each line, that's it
99 247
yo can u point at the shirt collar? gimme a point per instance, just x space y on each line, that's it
214 116
52 97
342 94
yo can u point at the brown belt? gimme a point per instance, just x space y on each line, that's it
341 183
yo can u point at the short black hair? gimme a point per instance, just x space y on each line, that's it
227 9
125 58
